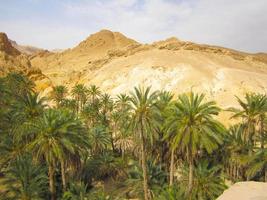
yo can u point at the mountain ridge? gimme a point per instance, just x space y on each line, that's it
12 60
116 64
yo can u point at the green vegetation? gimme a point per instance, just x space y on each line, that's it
84 144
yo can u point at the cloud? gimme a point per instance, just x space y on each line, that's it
239 24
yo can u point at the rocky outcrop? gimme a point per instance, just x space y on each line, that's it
12 60
117 64
245 191
6 46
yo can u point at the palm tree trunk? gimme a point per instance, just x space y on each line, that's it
146 194
63 175
111 139
265 174
191 170
145 181
172 167
51 172
262 131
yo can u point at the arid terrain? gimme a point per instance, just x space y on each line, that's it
116 64
15 58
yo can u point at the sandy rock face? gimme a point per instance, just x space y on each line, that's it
12 60
116 64
245 191
28 50
6 46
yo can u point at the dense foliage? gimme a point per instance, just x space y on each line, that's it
84 144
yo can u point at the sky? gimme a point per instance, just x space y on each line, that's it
60 24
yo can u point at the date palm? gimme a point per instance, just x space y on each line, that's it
58 94
236 148
122 102
157 178
143 120
99 139
19 84
15 132
77 191
106 107
120 119
79 92
257 163
25 111
252 112
28 106
171 193
94 92
192 128
161 146
58 134
208 181
24 180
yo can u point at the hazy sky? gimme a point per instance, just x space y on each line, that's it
239 24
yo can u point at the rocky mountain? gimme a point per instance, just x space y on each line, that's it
12 60
117 64
68 66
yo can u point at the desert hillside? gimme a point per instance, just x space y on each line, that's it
29 50
10 58
13 60
117 64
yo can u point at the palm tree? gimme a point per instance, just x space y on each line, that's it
208 181
94 92
258 163
79 92
24 180
236 148
4 91
58 94
157 178
171 193
143 120
122 102
77 191
28 106
19 84
163 103
106 165
107 106
120 123
70 104
91 113
192 128
57 135
25 111
16 124
99 139
252 111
